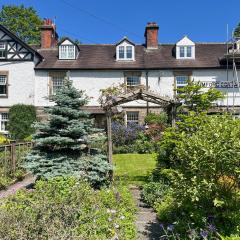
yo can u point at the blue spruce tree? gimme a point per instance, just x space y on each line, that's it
63 143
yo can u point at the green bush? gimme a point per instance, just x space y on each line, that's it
21 119
153 118
154 192
67 209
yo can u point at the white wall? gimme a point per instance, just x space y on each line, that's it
21 83
160 81
220 76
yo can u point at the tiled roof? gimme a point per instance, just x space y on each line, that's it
103 57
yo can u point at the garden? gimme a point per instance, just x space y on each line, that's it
188 173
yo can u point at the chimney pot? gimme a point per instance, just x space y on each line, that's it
49 36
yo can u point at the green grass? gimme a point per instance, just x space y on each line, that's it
133 168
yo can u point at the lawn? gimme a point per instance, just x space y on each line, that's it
133 168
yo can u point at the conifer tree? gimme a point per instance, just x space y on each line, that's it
63 143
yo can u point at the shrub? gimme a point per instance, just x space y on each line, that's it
154 192
125 135
21 118
143 144
160 119
63 208
4 140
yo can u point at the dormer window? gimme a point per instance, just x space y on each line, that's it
186 52
185 49
67 49
67 52
125 50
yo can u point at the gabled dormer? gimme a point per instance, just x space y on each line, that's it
185 49
125 50
67 49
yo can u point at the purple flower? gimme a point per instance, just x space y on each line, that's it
170 227
204 234
161 226
212 228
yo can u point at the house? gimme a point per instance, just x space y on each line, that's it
29 74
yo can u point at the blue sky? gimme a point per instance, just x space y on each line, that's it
107 21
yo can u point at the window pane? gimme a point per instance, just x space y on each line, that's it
121 52
71 52
2 50
129 52
181 51
57 83
63 52
132 117
189 51
3 121
133 80
3 84
181 80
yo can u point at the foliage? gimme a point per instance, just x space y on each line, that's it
4 139
22 21
63 143
197 100
237 31
201 161
67 209
153 118
21 119
133 168
125 135
154 192
144 144
111 93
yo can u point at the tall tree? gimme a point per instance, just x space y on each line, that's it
63 143
237 31
22 21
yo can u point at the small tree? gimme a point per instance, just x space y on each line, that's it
21 119
63 143
197 100
22 21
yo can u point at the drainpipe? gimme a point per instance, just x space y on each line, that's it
147 90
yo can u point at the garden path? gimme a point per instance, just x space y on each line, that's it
28 180
147 224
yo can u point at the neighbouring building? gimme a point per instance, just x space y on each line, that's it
29 74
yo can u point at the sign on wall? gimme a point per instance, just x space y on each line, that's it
219 84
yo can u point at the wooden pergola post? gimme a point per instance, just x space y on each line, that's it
109 135
173 113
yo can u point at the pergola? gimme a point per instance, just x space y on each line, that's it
139 94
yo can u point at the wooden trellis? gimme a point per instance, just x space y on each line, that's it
139 94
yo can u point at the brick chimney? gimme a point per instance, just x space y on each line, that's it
49 35
151 35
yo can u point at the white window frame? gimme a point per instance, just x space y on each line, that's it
185 52
3 50
180 85
65 53
6 84
125 45
3 122
132 117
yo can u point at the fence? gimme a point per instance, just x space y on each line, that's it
11 157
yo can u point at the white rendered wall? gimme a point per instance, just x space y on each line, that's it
160 81
220 77
20 83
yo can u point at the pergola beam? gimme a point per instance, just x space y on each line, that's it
139 94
